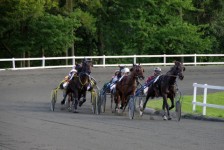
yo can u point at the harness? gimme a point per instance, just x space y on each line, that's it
82 83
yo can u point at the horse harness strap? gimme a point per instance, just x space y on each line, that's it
82 83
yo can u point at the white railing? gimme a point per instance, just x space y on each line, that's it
204 104
104 58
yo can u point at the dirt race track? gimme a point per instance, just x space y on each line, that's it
26 122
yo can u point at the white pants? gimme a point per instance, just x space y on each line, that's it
65 85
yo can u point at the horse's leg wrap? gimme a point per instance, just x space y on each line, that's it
167 108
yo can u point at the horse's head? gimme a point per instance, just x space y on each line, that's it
86 66
137 71
179 69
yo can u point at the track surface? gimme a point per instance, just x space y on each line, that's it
26 122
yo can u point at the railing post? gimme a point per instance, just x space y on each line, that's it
194 96
195 59
164 59
104 60
73 61
205 99
13 63
43 61
134 59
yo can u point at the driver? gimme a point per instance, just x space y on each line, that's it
157 72
67 79
124 72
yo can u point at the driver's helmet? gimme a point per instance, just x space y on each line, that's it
125 70
121 66
73 70
157 70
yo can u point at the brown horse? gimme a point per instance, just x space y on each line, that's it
77 87
164 86
127 86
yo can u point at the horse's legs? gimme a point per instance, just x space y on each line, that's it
65 93
75 101
150 93
163 108
119 104
122 102
125 102
119 100
165 105
84 99
142 106
116 99
146 100
69 101
111 100
172 103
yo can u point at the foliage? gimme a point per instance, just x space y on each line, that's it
52 33
111 27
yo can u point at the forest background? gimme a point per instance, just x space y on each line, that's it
36 28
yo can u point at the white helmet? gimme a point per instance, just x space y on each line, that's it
157 69
73 70
125 70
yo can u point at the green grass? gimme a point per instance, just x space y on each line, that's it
187 106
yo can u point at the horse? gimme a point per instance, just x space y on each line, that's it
127 86
77 87
164 86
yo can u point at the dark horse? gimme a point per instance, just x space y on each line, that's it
164 86
127 86
77 87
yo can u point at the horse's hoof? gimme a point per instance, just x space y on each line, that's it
164 118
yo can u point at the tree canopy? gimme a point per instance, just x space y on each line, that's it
110 27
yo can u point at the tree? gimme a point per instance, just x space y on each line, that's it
52 33
155 27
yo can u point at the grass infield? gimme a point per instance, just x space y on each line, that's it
187 106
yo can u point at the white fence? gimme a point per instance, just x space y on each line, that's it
204 104
164 57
